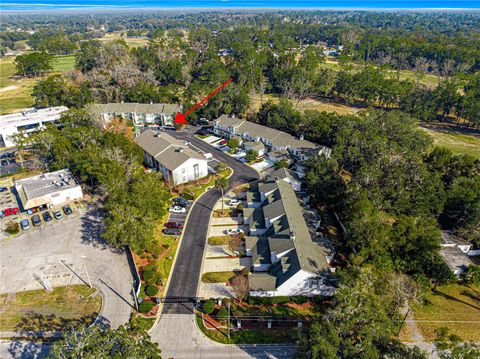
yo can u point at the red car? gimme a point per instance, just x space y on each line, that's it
174 225
10 211
222 142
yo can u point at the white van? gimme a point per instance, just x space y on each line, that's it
208 156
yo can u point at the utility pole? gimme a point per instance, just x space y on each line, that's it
86 271
228 323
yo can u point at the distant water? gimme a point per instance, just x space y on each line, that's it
56 5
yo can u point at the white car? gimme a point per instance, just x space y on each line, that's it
177 209
234 202
234 231
187 143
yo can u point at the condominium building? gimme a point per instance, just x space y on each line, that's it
140 113
177 162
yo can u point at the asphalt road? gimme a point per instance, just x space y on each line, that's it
186 273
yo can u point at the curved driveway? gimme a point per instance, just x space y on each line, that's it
186 272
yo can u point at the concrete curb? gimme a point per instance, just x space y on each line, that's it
160 307
208 232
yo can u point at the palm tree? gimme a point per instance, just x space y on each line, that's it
222 184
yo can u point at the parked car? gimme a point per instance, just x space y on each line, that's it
187 143
57 215
202 132
2 214
10 211
36 221
179 201
234 202
208 156
47 217
234 231
174 225
25 224
222 143
177 209
172 231
67 210
3 189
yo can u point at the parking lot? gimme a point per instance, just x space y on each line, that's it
9 200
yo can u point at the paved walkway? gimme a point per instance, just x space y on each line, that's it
215 290
226 264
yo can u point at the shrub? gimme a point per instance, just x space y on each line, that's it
259 300
280 300
188 196
222 313
151 290
159 280
148 275
150 267
240 207
208 307
156 251
145 306
12 228
299 299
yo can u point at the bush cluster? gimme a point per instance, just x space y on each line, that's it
145 306
151 290
208 307
298 299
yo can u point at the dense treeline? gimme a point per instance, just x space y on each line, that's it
393 193
175 67
111 164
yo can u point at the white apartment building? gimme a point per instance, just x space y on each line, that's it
140 113
177 162
273 139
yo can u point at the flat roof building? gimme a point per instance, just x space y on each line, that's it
29 120
51 188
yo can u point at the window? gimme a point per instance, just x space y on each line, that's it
183 170
196 171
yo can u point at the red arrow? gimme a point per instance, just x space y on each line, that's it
180 118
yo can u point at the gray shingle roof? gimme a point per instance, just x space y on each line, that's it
167 150
262 281
134 107
289 232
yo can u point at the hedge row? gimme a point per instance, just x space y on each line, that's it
298 299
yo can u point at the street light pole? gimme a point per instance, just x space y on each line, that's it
86 270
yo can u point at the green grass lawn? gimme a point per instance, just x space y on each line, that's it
456 142
426 79
219 240
38 310
217 277
165 263
448 304
245 336
64 63
15 91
